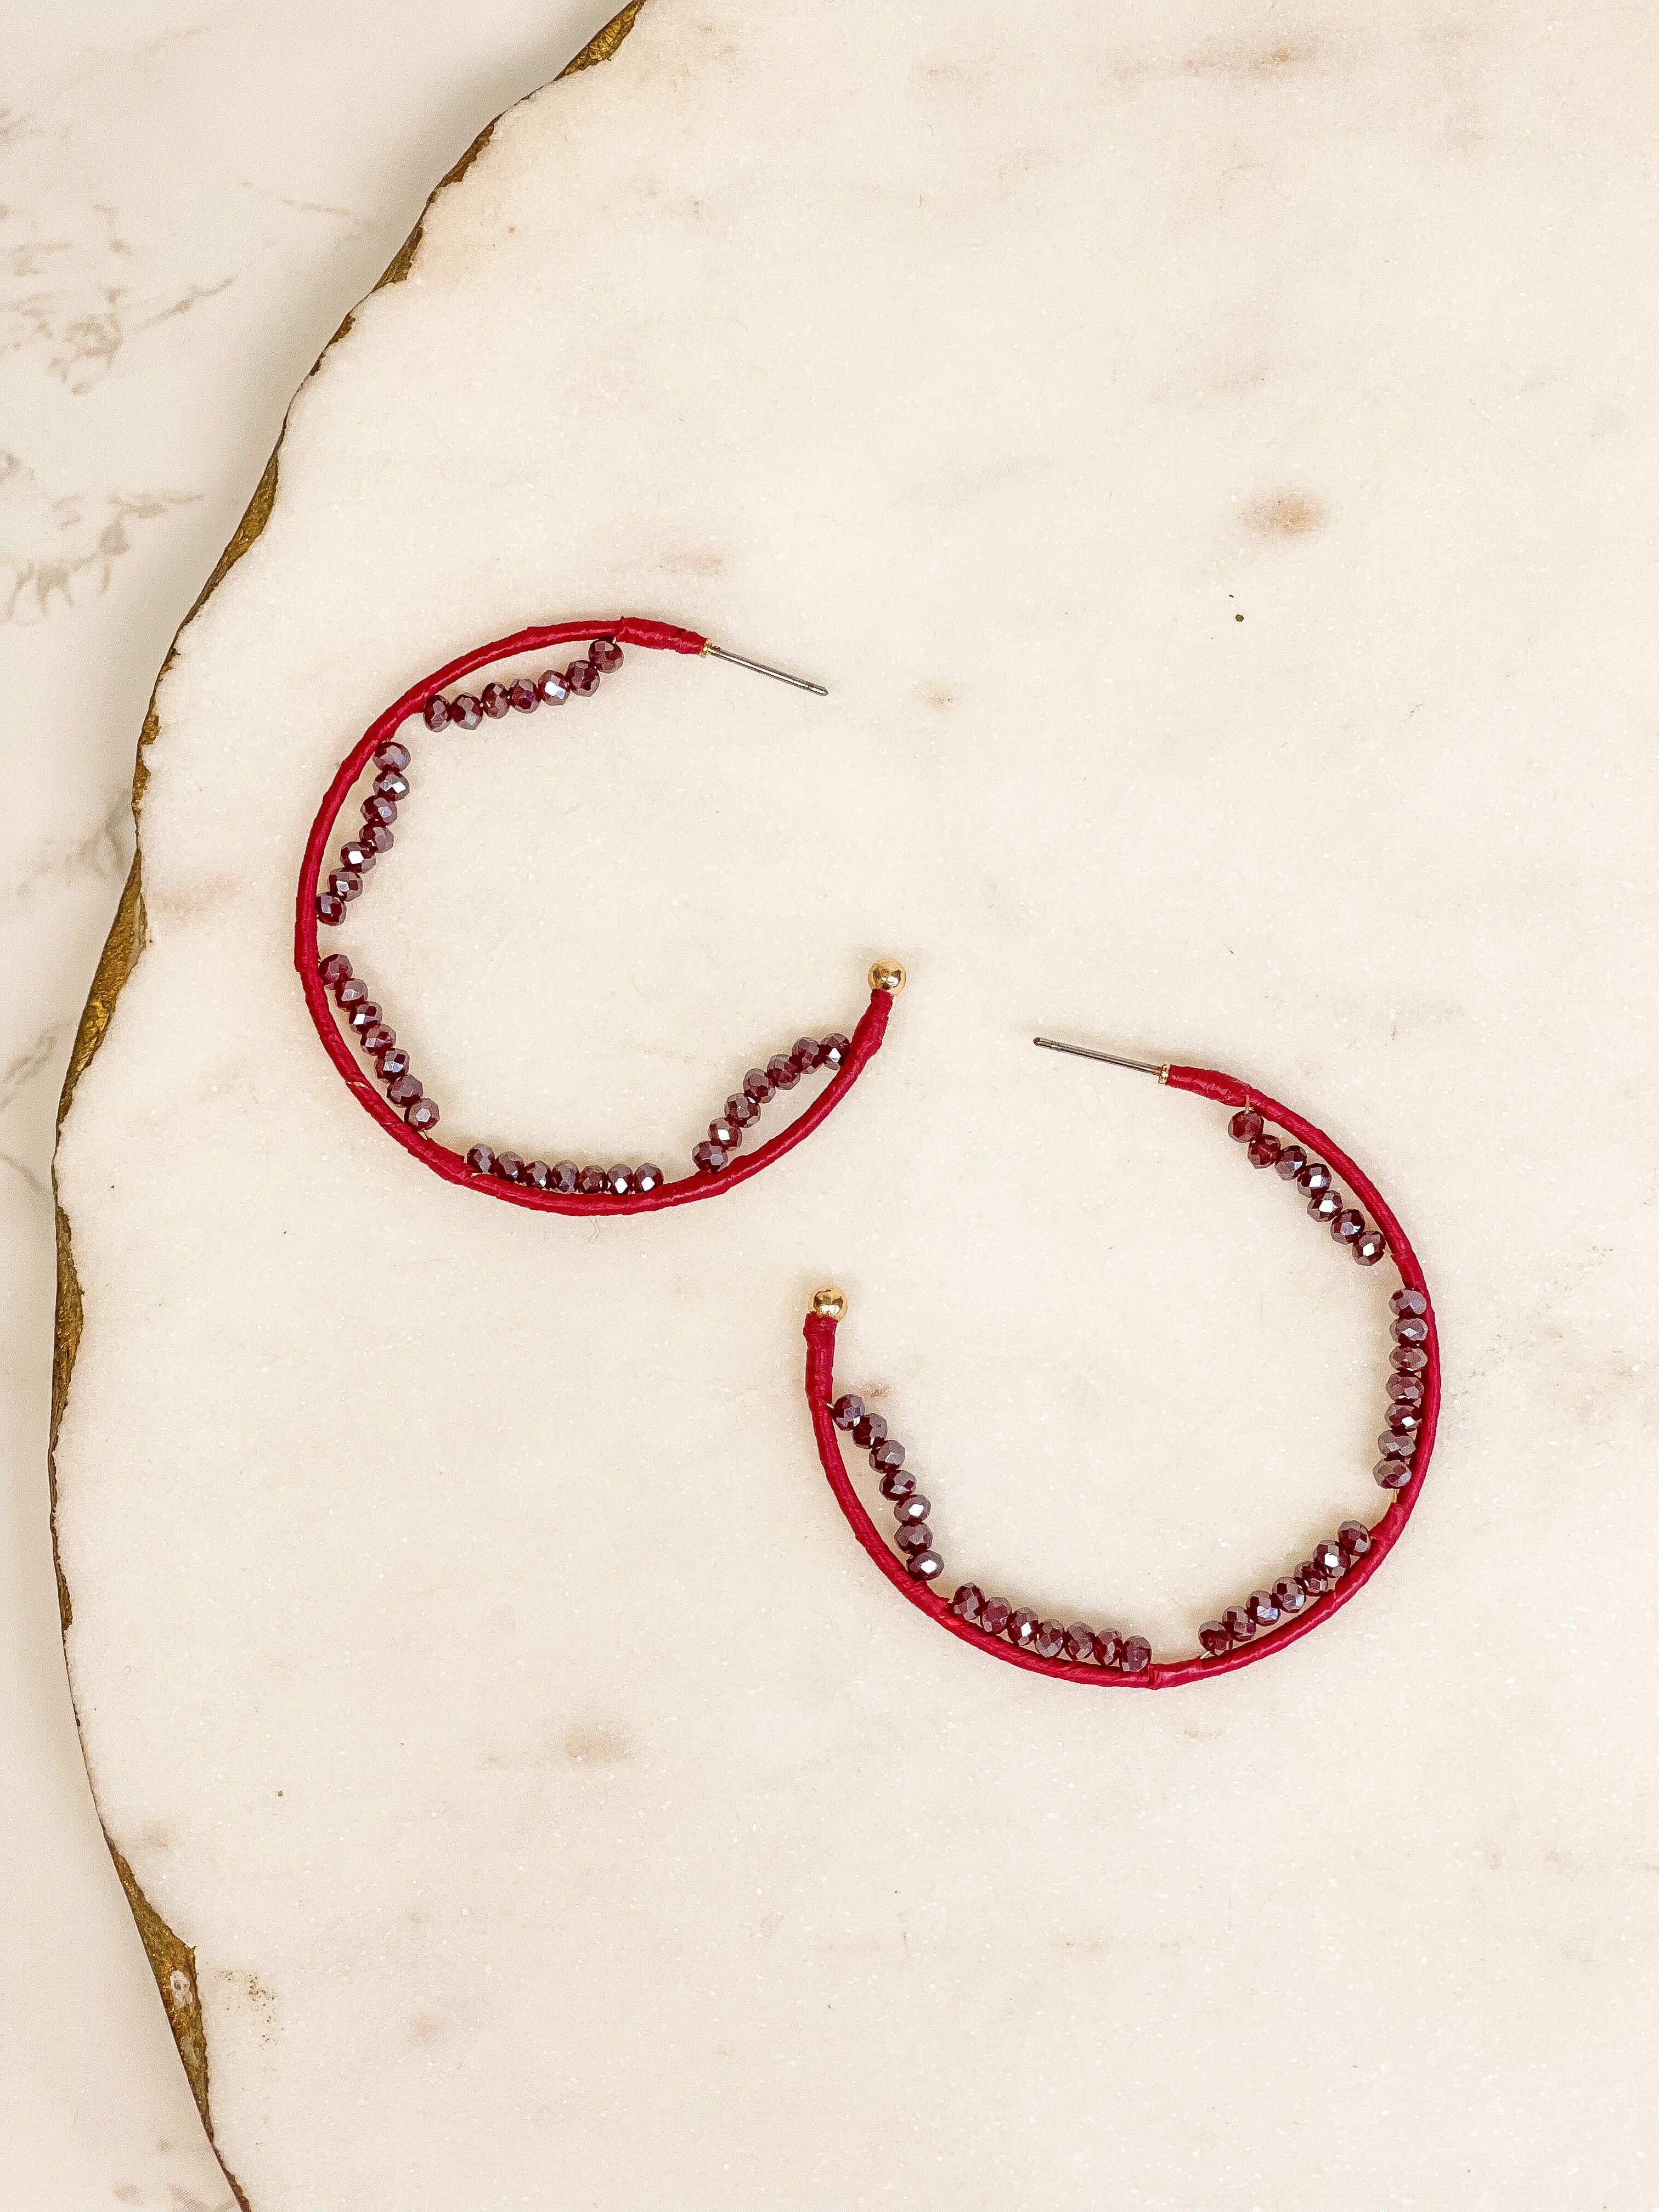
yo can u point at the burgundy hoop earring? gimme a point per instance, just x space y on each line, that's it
1270 1619
405 1112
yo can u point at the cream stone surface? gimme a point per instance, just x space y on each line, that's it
470 1658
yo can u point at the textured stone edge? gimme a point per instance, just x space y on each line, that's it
172 1961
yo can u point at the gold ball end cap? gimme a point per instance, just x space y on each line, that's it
887 976
830 1303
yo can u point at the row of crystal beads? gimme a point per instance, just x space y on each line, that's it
1408 1390
526 693
344 881
380 1044
1266 1608
1314 1179
913 1536
564 1177
762 1084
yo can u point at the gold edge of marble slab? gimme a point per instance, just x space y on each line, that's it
171 1961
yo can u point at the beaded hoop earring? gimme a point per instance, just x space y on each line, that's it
1271 1617
406 1112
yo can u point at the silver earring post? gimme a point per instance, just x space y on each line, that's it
760 668
1113 1059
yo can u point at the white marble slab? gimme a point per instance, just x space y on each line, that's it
1211 466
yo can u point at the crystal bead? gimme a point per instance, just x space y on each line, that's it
334 970
758 1085
709 1157
1349 1224
869 1431
725 1135
606 654
1411 1328
967 1602
1050 1641
1290 1162
538 1174
1326 1207
1370 1247
1021 1628
847 1412
1406 1302
390 785
435 713
567 1178
582 677
899 1483
888 1456
592 1183
523 695
1262 1607
390 754
916 1507
404 1090
1355 1538
1392 1473
423 1116
913 1536
1406 1389
806 1053
741 1110
1408 1359
355 854
1289 1595
834 1051
1079 1643
377 834
365 1016
391 1065
1238 1624
926 1566
465 711
1108 1651
1315 1179
1393 1446
330 908
1262 1151
620 1182
1403 1419
480 1160
494 701
509 1166
383 812
1214 1638
1315 1580
377 1038
783 1071
1330 1559
1134 1655
351 993
345 883
648 1178
552 687
1245 1126
995 1615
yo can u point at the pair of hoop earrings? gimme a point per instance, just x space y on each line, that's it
357 1038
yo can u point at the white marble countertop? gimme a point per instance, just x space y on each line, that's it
192 196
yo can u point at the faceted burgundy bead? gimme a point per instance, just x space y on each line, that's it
480 1160
1404 1420
382 811
1245 1126
995 1615
915 1507
423 1115
1315 1179
345 883
390 754
330 908
1262 1607
783 1071
709 1157
377 1039
1238 1624
1355 1538
538 1174
404 1089
1406 1389
351 993
1262 1151
1134 1655
647 1177
1408 1359
1329 1558
552 687
1313 1579
494 701
1411 1328
1407 1302
1392 1473
1050 1641
606 654
1289 1595
1392 1445
1214 1638
847 1410
869 1431
1326 1207
897 1483
582 677
914 1536
926 1566
1290 1162
390 785
888 1456
759 1085
806 1053
725 1135
509 1166
464 710
967 1602
1021 1628
567 1178
1079 1643
621 1180
391 1065
593 1183
334 970
741 1110
377 834
365 1017
1108 1651
1348 1225
435 713
832 1053
524 695
1370 1247
355 854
